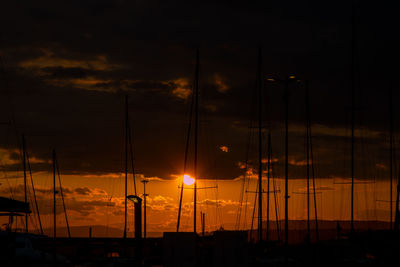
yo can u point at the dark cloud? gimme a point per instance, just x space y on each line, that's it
83 190
68 65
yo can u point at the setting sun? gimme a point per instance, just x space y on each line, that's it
187 180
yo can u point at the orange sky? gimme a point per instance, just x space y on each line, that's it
98 200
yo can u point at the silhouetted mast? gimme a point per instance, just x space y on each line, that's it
24 163
33 190
126 164
312 163
397 215
353 81
397 211
185 161
391 154
286 97
308 160
260 192
268 181
196 124
62 198
54 197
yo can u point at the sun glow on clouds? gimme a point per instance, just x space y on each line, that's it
224 149
181 87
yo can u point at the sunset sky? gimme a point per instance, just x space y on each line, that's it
66 67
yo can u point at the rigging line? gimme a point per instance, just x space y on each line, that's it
34 192
126 168
275 198
251 136
131 154
313 182
62 197
244 182
196 124
185 159
248 179
254 209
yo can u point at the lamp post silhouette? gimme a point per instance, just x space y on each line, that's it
137 201
144 181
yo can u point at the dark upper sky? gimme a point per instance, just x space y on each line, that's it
66 66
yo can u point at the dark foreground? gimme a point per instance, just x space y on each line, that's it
222 248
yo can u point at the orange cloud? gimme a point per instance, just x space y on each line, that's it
224 149
222 87
99 62
297 162
181 87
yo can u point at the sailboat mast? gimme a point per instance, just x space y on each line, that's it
260 192
353 48
397 212
391 154
185 161
54 194
268 180
286 161
126 164
311 158
25 191
196 125
62 198
308 159
34 192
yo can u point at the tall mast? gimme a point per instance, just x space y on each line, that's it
391 154
259 144
308 160
33 190
62 198
312 163
196 125
24 163
268 181
126 163
353 81
185 161
397 212
286 96
54 210
54 193
131 155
